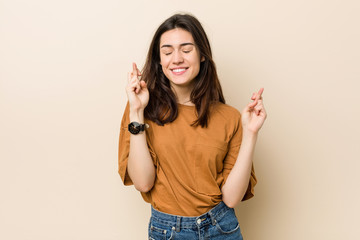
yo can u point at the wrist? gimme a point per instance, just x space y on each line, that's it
248 134
136 116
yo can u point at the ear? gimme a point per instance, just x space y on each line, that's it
202 59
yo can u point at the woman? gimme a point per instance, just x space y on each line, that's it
179 141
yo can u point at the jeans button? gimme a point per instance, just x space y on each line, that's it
198 221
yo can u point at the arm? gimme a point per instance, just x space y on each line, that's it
140 165
238 180
253 116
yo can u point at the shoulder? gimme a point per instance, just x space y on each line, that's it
225 115
225 121
225 110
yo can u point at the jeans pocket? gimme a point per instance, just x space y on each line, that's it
160 233
228 223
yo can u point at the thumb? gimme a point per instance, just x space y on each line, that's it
143 84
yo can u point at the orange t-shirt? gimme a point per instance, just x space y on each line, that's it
191 163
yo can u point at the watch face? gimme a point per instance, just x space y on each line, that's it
134 128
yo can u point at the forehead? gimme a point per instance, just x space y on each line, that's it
176 37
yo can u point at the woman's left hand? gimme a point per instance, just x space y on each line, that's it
254 114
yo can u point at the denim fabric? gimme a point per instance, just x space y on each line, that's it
217 224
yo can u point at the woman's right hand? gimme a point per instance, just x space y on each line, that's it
136 90
140 165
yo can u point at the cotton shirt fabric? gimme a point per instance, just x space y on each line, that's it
191 163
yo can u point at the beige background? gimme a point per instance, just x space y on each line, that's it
63 67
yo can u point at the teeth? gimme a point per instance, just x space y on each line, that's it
179 70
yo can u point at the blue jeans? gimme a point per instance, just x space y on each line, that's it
217 224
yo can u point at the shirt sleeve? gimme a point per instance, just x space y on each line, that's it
230 159
124 146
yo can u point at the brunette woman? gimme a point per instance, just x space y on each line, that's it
187 152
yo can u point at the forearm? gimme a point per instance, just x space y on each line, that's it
140 165
238 180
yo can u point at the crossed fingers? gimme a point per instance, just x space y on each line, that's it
257 104
133 79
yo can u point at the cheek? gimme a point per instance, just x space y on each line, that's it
195 60
164 67
164 71
196 63
164 61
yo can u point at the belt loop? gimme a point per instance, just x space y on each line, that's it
178 224
213 220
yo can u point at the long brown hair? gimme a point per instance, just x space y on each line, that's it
162 107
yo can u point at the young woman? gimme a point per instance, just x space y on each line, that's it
186 151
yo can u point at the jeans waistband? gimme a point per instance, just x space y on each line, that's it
179 222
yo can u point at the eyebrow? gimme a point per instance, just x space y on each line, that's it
183 44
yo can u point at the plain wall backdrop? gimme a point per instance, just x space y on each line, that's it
63 70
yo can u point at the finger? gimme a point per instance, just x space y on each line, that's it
253 96
135 70
134 87
137 87
138 72
143 84
250 107
260 102
134 78
257 96
260 110
260 93
133 83
257 110
261 107
256 102
253 104
257 99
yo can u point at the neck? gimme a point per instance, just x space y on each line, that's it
183 95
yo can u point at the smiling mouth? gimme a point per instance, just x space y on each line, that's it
179 70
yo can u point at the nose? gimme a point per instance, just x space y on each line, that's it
177 57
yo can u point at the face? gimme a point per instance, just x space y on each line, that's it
179 57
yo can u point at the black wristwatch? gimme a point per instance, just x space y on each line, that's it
135 127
